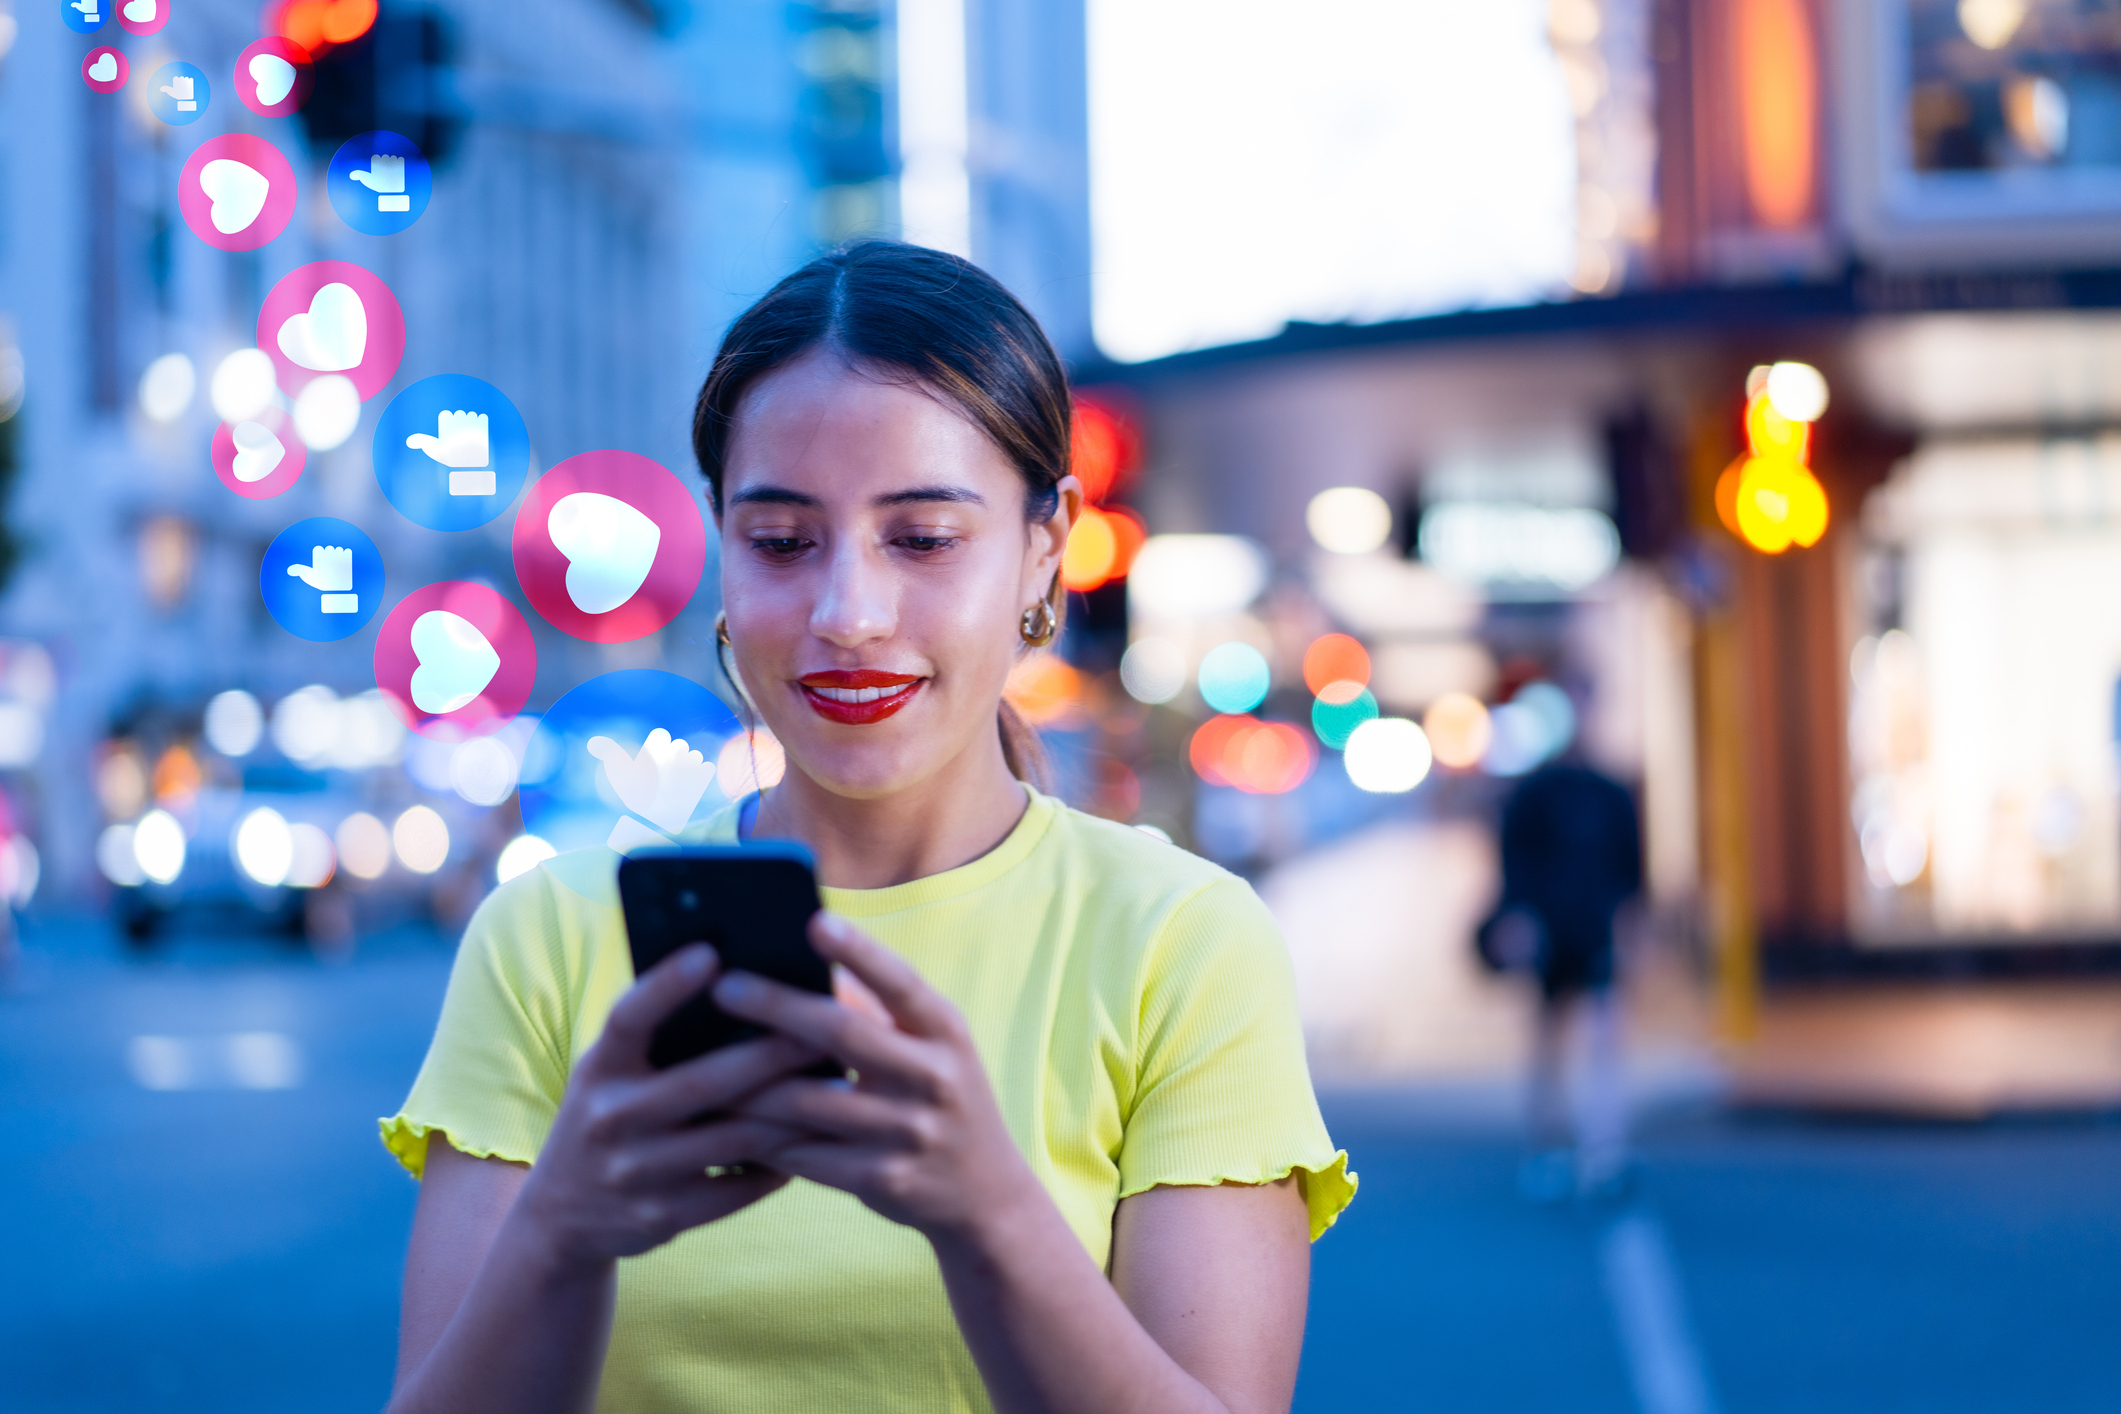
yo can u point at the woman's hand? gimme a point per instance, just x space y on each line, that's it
918 1135
625 1167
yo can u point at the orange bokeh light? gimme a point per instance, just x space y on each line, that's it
1101 548
1104 448
1778 109
1045 688
319 24
1260 758
178 777
1336 658
1458 729
1770 434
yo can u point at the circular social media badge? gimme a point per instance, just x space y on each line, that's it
85 16
626 759
141 16
259 457
105 70
332 317
456 660
609 546
451 452
322 579
379 183
178 93
236 192
274 77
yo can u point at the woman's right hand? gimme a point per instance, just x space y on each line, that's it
625 1166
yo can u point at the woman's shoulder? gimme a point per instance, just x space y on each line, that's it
1123 870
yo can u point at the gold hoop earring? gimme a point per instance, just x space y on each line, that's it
1038 625
721 629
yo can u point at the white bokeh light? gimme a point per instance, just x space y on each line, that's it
1349 520
327 411
242 385
421 838
364 845
1388 755
521 855
264 848
158 846
1153 670
234 723
166 388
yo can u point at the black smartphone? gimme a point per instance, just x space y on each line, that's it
752 902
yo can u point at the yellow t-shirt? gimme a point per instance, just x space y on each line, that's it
1136 1013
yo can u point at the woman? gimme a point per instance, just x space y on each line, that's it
1082 1164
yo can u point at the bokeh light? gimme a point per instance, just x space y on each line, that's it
242 386
1196 576
421 839
1797 391
1101 548
115 857
312 860
167 386
316 25
1458 729
1104 448
1153 670
1336 713
521 855
1349 520
234 723
1387 756
327 411
1234 677
1260 758
158 845
264 848
1045 689
750 761
364 845
1335 657
483 771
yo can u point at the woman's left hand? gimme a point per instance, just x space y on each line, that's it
918 1136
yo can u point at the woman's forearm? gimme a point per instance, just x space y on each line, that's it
1047 1329
528 1338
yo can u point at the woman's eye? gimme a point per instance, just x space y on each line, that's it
778 545
927 544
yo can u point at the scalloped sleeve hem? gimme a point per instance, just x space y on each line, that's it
1328 1188
406 1138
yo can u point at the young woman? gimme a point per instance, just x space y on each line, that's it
1082 1163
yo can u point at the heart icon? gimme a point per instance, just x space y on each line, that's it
274 76
238 191
105 69
140 12
610 547
258 451
456 662
332 336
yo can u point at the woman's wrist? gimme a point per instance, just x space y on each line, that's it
542 1247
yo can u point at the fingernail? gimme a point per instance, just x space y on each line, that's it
697 960
736 987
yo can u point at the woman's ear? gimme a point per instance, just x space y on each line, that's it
1049 537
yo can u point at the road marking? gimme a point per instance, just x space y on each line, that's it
242 1060
1642 1285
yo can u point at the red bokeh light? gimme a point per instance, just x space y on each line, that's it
1104 448
1260 758
1336 658
316 25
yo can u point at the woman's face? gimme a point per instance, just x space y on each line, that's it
875 568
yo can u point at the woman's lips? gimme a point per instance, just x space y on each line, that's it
860 696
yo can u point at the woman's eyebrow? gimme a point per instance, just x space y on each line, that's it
930 493
772 496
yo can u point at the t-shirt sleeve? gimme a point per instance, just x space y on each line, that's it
1222 1092
499 1061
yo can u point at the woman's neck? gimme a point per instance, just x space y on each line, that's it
952 818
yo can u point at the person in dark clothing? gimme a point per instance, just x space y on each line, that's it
1571 857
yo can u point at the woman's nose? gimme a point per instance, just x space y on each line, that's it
858 604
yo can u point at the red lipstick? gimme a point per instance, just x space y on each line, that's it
858 697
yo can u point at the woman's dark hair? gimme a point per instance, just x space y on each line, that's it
904 311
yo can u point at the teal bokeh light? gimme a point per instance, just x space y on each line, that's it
1234 678
1335 722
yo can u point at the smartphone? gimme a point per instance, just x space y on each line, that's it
752 902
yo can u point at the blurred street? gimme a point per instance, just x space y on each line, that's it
232 1243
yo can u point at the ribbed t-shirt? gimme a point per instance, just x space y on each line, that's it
1135 1010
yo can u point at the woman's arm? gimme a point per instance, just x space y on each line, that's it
1204 1310
510 1278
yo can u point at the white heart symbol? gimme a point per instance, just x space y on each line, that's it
140 11
105 68
610 547
258 451
237 190
456 662
274 76
332 336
